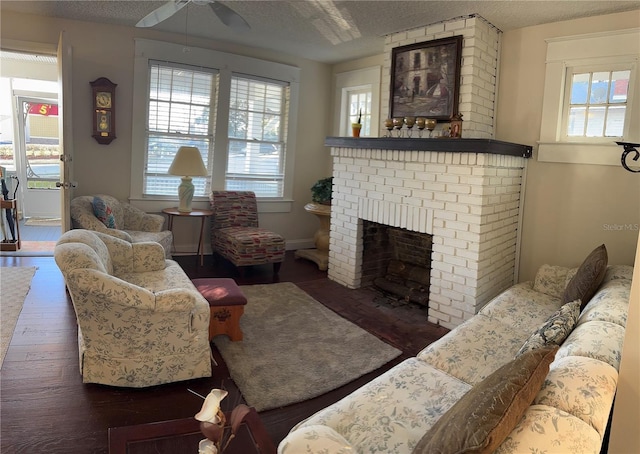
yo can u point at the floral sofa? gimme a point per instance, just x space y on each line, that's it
106 214
567 412
141 321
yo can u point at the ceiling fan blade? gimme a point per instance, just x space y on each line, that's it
229 17
164 12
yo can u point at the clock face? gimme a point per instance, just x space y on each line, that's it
103 100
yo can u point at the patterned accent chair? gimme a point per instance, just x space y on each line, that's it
235 234
141 321
130 223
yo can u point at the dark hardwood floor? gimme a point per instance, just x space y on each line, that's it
45 407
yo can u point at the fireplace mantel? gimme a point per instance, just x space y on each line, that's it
490 146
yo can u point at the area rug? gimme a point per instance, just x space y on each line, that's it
15 282
294 348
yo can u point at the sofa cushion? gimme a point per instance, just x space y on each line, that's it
583 387
545 429
522 308
551 280
475 349
392 412
609 304
595 339
588 278
315 439
484 417
104 212
555 330
618 272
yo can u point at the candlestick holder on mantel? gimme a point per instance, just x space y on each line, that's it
457 145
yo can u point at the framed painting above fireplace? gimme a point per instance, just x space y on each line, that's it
425 79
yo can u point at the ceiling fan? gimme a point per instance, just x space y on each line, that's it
226 15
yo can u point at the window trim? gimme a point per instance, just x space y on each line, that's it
366 78
590 50
226 64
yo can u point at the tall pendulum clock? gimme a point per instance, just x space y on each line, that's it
104 110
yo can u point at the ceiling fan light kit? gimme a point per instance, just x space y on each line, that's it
226 15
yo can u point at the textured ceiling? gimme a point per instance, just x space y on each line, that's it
324 30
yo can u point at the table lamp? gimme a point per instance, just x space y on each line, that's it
187 163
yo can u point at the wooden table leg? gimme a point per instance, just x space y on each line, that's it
200 245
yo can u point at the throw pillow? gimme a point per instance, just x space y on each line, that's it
481 420
588 278
555 330
551 280
103 212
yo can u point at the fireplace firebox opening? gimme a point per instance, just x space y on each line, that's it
397 263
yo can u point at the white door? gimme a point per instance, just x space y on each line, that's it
37 162
66 183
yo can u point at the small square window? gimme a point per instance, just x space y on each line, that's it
597 103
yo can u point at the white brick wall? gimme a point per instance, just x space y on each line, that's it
479 69
469 202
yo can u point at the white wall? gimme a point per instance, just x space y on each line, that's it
569 209
101 50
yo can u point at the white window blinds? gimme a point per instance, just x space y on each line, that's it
180 100
257 127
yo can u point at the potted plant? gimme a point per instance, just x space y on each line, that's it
321 191
357 126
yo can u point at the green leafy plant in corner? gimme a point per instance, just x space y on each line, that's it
321 191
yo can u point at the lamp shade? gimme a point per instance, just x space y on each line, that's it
188 162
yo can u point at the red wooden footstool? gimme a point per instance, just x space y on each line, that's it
226 301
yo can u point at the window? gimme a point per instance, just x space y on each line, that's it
358 91
360 106
255 161
240 112
179 114
589 89
596 104
39 140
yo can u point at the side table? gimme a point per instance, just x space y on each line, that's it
183 436
202 214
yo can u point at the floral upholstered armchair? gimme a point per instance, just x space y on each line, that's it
106 214
141 322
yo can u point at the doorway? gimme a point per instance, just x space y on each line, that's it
37 154
30 143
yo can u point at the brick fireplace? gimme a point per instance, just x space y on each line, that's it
465 192
468 200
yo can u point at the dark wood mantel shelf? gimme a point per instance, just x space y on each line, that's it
416 144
